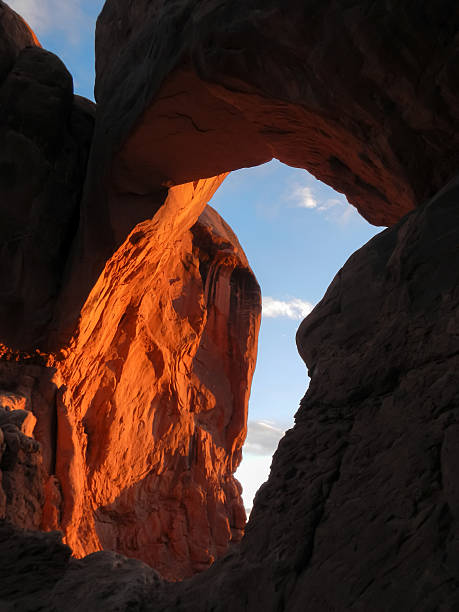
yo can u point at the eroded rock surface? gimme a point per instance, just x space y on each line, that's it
139 455
142 415
139 414
346 90
148 443
22 473
360 510
188 90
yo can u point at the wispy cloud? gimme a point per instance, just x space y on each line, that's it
292 309
305 199
262 437
336 209
262 440
61 16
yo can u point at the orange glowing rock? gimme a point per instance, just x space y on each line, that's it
154 391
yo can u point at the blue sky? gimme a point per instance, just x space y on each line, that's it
296 231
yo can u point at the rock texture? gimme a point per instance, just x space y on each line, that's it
44 577
21 470
187 90
231 85
28 434
45 133
169 337
129 313
360 510
147 445
163 354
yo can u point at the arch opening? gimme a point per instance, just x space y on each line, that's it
297 232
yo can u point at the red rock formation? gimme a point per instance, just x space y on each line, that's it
347 92
361 507
243 83
148 443
142 416
164 352
139 455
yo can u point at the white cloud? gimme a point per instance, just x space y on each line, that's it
262 437
335 209
252 473
293 309
43 16
262 440
304 198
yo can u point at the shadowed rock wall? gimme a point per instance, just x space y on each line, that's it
45 135
141 409
360 510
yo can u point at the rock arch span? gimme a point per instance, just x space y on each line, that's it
360 509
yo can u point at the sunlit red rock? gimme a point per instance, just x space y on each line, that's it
152 414
151 312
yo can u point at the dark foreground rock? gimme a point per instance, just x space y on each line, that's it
151 310
361 508
45 135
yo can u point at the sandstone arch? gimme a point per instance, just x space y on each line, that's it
328 87
361 507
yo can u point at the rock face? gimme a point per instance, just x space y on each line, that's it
188 90
15 35
148 443
121 582
163 354
242 83
45 134
21 470
360 510
129 313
